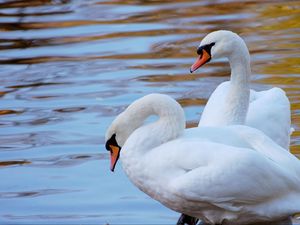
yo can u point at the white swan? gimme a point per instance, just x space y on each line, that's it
222 175
269 111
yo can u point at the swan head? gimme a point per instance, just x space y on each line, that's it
116 136
218 44
114 148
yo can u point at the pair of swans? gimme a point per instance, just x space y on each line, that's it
221 172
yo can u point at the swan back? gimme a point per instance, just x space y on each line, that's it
267 147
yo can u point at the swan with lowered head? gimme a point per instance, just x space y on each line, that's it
223 175
268 111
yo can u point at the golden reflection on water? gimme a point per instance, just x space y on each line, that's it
68 67
284 70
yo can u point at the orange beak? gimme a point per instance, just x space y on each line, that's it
114 156
202 59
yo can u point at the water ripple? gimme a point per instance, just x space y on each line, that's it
68 67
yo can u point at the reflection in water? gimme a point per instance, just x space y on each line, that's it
14 163
69 67
33 193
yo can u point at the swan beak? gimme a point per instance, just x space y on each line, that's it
202 59
114 156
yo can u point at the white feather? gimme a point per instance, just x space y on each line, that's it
231 174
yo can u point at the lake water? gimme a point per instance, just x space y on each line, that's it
68 67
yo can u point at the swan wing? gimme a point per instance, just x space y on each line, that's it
269 111
233 178
211 112
264 145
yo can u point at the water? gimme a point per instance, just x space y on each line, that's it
69 67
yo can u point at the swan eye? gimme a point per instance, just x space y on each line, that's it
207 48
111 142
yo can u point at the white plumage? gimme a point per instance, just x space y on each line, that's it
233 103
231 174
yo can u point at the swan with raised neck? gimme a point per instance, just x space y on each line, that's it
219 44
233 102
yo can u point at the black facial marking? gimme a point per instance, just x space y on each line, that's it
111 141
207 48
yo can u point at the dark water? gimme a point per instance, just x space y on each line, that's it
68 67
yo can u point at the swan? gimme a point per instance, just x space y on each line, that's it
268 111
229 175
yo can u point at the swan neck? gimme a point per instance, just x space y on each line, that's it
237 100
239 62
169 125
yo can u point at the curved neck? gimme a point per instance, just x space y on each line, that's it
237 99
170 123
144 138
